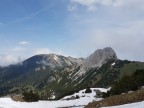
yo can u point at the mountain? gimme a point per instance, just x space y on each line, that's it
51 74
51 60
100 57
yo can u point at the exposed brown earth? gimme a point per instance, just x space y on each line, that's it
136 96
17 98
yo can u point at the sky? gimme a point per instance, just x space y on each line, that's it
71 28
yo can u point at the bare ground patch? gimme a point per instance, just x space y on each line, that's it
136 96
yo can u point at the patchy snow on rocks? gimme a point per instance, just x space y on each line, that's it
68 101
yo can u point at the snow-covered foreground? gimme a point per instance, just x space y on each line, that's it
83 100
8 103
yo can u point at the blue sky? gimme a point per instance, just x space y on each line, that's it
70 27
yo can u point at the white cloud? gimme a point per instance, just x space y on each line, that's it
92 8
6 60
18 48
116 23
84 2
127 40
118 3
92 5
106 2
23 43
48 51
42 51
72 8
89 4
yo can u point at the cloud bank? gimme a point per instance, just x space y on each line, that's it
6 60
92 5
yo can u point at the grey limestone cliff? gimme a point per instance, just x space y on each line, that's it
99 57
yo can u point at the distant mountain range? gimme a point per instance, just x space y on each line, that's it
56 74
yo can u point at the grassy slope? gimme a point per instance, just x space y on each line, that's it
128 69
102 77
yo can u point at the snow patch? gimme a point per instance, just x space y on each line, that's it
89 95
56 58
9 103
113 64
44 67
83 100
69 63
37 69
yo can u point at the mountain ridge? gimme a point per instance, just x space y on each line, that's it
52 73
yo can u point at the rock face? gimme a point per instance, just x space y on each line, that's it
99 57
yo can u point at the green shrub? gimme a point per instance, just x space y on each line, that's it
127 83
88 90
77 97
104 95
30 96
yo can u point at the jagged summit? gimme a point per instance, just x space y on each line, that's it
99 57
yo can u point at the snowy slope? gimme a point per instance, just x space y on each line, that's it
86 95
83 100
8 103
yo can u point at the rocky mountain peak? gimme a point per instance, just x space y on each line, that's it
51 60
99 57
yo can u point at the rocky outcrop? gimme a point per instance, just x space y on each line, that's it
99 57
